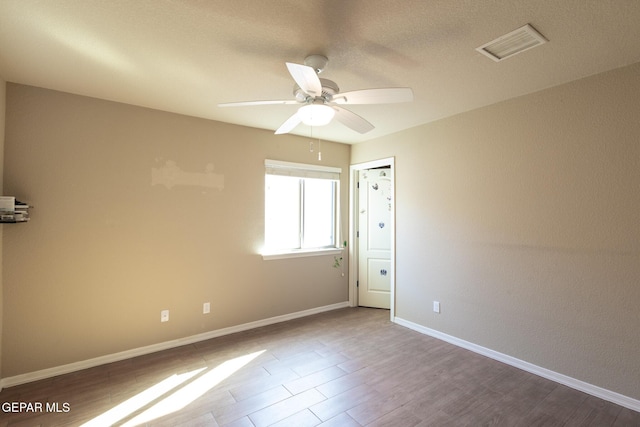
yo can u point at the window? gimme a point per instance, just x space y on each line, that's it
301 205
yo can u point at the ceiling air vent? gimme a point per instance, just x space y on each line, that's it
512 43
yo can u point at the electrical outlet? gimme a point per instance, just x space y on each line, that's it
164 316
206 308
436 307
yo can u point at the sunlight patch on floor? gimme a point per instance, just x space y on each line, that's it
141 399
178 394
192 391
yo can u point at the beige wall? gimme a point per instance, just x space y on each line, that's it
522 219
3 93
106 250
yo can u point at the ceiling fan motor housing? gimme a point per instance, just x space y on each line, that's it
329 89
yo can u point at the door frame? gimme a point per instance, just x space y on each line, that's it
353 228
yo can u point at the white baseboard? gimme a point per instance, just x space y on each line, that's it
115 357
591 389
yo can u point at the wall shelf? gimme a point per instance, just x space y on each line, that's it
13 211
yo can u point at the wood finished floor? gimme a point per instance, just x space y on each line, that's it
349 367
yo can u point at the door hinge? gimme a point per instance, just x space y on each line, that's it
358 184
357 283
357 233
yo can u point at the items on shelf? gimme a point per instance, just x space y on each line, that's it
12 210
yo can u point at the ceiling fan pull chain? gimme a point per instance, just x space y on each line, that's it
311 141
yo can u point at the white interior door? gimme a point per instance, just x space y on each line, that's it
374 241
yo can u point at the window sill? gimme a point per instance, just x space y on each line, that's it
301 253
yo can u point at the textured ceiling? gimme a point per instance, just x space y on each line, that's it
186 56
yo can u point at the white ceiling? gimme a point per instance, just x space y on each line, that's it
186 56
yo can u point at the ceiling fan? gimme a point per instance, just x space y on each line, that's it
320 99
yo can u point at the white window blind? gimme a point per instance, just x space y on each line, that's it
300 170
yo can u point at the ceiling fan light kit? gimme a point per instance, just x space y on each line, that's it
320 98
316 114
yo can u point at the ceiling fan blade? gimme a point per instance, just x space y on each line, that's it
306 78
250 103
388 95
288 126
352 120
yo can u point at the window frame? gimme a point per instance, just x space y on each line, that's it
302 171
